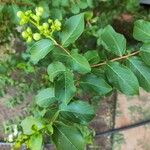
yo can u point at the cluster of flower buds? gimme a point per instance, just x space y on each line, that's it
13 135
46 29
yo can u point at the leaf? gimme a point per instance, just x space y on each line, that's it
46 97
78 112
141 31
68 138
79 63
75 9
65 88
55 69
122 78
14 17
92 57
74 27
113 41
28 123
1 7
141 70
40 49
96 84
35 142
145 53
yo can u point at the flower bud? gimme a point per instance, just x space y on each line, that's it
20 14
24 34
57 23
53 27
45 25
35 17
29 30
23 21
28 12
29 39
10 138
50 20
39 11
36 36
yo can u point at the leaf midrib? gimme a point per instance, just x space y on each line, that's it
119 75
67 138
64 42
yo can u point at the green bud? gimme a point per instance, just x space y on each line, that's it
45 25
39 11
57 23
24 34
29 39
35 17
36 36
28 12
20 14
23 21
53 27
58 28
50 20
29 30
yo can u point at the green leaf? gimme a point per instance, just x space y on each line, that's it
96 84
14 17
75 8
113 41
141 31
142 72
122 78
40 49
65 88
145 53
54 69
35 142
92 57
74 27
68 138
46 97
83 4
28 123
79 63
1 7
78 112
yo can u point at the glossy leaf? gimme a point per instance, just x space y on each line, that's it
40 49
145 53
141 31
35 142
112 41
92 57
68 138
78 112
46 97
141 70
64 87
54 69
79 63
122 78
96 84
74 27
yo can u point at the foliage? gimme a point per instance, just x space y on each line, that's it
61 113
83 56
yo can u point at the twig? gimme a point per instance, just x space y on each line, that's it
116 59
